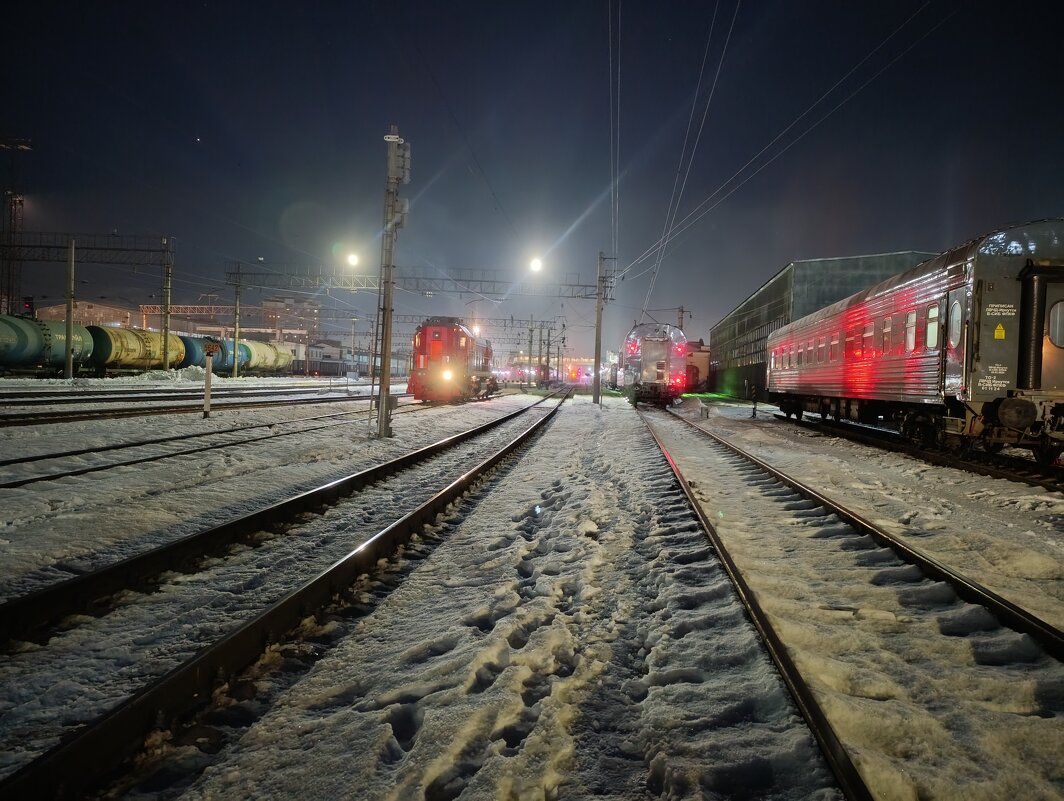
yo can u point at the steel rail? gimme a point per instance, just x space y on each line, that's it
148 395
1022 471
193 405
1008 613
21 482
28 615
103 746
849 778
215 432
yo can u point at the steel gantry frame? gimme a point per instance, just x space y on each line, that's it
414 279
132 251
426 281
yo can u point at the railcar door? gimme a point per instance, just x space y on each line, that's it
1053 337
955 342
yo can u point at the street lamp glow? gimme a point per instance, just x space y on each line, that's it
352 259
536 265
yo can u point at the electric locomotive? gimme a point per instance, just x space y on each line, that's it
449 362
653 363
967 347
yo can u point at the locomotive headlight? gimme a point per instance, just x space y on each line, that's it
447 375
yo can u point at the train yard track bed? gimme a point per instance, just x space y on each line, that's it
932 695
562 625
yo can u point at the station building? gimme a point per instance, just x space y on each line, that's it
737 343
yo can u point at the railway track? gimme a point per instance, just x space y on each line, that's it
67 395
572 631
219 611
835 564
170 447
1023 469
193 405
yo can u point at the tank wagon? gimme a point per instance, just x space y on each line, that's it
266 357
653 365
132 349
965 348
449 362
28 343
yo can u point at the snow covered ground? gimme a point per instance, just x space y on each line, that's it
569 639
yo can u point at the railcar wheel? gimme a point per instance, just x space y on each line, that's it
920 433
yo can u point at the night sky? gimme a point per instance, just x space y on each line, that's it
255 130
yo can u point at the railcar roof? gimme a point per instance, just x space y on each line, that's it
997 242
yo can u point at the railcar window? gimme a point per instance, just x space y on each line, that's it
866 340
931 335
417 340
1056 324
849 345
833 351
955 324
886 335
910 332
821 348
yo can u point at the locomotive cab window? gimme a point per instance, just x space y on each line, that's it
931 335
1056 324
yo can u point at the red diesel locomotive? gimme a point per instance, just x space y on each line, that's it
449 362
965 348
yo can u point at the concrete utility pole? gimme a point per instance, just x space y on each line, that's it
394 217
596 388
68 369
236 329
529 376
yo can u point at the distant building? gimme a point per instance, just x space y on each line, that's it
737 342
92 313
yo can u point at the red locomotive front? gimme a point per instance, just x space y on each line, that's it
449 362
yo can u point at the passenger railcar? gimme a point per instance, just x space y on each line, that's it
449 362
653 365
966 347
